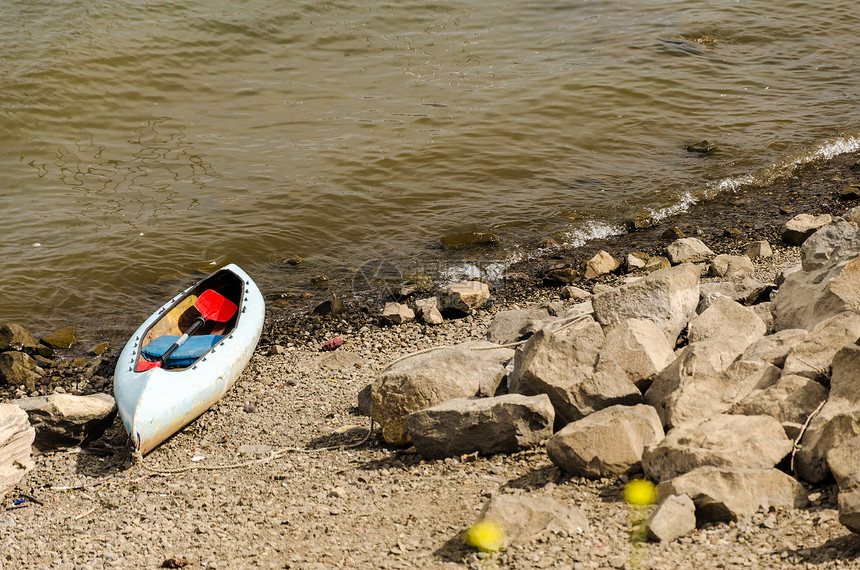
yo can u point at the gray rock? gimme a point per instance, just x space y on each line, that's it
812 357
688 250
673 518
516 324
525 517
564 365
765 313
66 420
428 310
774 348
731 266
667 297
849 509
829 282
503 424
790 400
656 263
640 348
694 363
607 443
725 315
397 314
16 438
15 337
724 441
464 296
18 368
729 494
709 395
601 264
843 460
424 380
574 293
746 291
799 228
758 249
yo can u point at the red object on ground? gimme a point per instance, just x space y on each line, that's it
332 343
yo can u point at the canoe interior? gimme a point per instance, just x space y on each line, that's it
182 314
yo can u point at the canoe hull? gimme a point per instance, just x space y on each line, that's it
156 403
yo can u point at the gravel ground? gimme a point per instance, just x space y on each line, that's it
355 507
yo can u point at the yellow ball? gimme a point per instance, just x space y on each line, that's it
640 492
485 535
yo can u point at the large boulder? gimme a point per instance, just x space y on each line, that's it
16 438
525 517
791 400
812 357
727 319
503 424
694 363
515 324
828 282
563 364
65 420
608 443
729 494
799 228
746 291
709 395
774 348
667 297
837 422
844 462
731 266
640 348
724 441
428 379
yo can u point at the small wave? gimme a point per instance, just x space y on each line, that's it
591 230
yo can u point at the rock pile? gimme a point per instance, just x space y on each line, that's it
714 390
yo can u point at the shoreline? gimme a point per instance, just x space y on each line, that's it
375 506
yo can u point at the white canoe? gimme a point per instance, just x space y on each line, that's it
156 402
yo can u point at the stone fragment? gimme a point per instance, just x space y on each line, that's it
802 226
640 348
62 338
667 297
19 368
688 250
731 266
515 324
15 337
503 424
758 249
774 348
849 509
331 306
812 357
843 460
397 314
564 365
601 264
65 420
724 441
574 293
428 310
849 193
607 443
526 517
790 400
727 318
656 263
636 260
16 438
730 494
427 379
673 518
464 296
560 276
746 291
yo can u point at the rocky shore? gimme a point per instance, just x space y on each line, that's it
682 353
